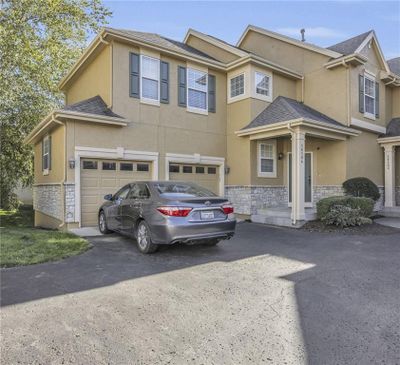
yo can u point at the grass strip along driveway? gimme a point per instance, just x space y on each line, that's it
22 244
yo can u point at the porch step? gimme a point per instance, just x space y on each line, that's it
281 216
391 212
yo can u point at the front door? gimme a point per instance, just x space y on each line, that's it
307 179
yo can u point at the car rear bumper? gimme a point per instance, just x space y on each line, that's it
193 232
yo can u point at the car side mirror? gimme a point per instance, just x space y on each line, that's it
108 197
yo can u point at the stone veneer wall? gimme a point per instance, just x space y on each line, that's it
247 199
48 200
69 202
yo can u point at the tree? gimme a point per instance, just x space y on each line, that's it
39 41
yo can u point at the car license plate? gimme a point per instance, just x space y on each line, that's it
206 215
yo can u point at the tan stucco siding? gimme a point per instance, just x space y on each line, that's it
365 158
327 91
395 103
211 50
45 221
94 79
288 55
56 173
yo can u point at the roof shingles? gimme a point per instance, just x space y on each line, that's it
394 65
284 109
94 105
349 46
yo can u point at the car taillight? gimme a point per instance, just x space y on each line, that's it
227 208
175 211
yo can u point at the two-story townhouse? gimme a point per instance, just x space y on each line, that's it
273 123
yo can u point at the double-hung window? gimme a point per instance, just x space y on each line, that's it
150 78
262 84
197 89
237 86
369 96
267 158
46 154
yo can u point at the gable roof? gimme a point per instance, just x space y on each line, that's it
350 45
394 65
162 41
284 109
215 41
94 105
392 129
290 40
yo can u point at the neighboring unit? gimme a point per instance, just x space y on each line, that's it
273 123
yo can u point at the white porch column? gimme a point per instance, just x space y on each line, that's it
390 197
298 171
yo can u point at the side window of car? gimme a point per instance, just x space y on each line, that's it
123 193
139 191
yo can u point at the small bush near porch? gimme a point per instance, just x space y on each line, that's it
22 244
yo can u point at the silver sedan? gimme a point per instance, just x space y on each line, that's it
167 212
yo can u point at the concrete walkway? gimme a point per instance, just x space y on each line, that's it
389 221
86 232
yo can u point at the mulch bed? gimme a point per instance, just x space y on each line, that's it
366 229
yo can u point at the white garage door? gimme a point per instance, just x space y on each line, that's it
101 177
203 175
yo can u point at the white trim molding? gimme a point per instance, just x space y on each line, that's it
198 159
367 126
118 153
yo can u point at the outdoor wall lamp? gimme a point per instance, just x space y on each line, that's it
280 155
71 163
227 169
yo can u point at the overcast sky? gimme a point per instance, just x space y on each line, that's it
326 22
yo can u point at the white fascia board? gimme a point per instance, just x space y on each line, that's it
367 126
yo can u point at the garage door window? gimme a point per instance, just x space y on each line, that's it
124 166
187 169
142 167
199 170
89 165
174 168
212 170
109 166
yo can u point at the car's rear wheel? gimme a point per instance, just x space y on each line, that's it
143 238
103 223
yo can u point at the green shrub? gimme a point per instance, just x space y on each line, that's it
365 205
345 216
361 187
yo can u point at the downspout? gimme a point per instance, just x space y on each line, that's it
302 89
64 177
391 82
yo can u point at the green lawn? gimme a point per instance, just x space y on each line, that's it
21 244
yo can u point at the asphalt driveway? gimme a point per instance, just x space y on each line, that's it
270 295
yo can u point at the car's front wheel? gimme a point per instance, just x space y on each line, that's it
103 223
143 239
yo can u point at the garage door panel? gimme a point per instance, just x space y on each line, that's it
95 183
206 179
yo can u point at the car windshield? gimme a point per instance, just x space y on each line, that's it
179 189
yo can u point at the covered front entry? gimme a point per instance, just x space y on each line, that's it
102 176
308 177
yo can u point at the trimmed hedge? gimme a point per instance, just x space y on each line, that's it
365 205
344 216
361 186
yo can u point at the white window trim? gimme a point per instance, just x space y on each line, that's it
272 174
371 77
143 99
193 109
239 96
270 87
46 171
